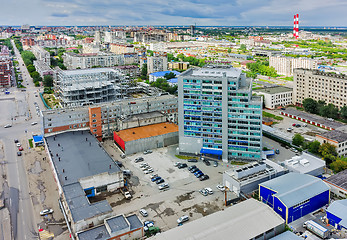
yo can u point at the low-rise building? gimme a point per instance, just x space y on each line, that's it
250 219
306 164
6 76
338 183
41 54
294 195
337 214
43 68
178 65
275 97
336 138
154 76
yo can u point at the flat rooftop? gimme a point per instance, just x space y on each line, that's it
117 223
335 135
142 116
244 220
99 233
308 163
213 71
147 131
88 71
80 154
339 179
274 90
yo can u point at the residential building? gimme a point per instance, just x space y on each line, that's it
88 86
178 65
286 65
294 195
337 215
216 98
243 180
42 68
154 76
6 73
78 176
90 48
108 116
149 37
157 63
27 41
41 54
132 71
275 97
306 164
249 219
318 85
336 138
338 183
121 48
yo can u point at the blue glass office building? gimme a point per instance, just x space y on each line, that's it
218 115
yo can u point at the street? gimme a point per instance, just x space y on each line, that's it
18 109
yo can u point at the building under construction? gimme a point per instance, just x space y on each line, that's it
89 86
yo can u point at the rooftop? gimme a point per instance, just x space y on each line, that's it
293 188
305 163
244 220
287 235
147 131
335 135
143 116
274 90
134 221
97 233
87 71
339 179
215 71
162 74
80 154
339 209
117 223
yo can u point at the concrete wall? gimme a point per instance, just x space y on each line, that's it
143 144
114 181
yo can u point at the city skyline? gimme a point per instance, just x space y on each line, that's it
177 12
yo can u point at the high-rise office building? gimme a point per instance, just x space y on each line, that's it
217 114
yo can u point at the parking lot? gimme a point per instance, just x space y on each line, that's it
164 207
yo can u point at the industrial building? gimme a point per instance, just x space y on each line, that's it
152 136
82 169
88 86
108 117
275 97
286 65
250 219
336 138
117 227
338 183
318 85
294 195
156 63
214 98
337 214
243 180
306 164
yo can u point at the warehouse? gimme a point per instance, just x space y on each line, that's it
294 195
337 214
250 219
152 136
82 169
338 184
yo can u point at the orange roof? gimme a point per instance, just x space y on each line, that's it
152 130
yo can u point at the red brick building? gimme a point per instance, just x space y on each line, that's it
5 73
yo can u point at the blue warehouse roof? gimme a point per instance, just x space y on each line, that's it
293 188
339 209
162 74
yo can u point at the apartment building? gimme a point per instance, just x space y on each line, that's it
178 65
6 76
286 65
336 138
217 114
41 54
121 48
329 87
42 68
275 97
103 119
149 37
156 63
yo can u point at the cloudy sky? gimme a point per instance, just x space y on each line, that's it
174 12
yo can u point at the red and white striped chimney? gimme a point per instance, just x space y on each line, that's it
296 26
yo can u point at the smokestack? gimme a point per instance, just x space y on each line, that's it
296 26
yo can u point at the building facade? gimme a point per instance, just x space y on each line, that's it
318 85
121 48
286 65
5 73
336 138
275 97
218 114
157 63
41 54
42 68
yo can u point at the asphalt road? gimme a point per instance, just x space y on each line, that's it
18 109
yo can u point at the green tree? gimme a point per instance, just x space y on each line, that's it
339 165
343 112
328 152
170 75
310 105
31 68
48 81
243 47
35 75
298 140
329 111
229 50
144 71
313 147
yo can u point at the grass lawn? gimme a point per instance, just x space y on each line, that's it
270 115
185 157
31 143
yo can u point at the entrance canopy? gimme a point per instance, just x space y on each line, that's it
213 151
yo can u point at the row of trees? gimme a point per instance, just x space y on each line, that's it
325 150
181 57
319 107
261 68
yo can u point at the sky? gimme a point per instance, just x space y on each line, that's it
173 12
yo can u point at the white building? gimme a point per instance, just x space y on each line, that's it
276 96
336 138
157 63
306 164
41 54
286 65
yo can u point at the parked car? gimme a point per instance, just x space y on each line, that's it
7 126
305 125
18 144
182 165
209 190
293 124
147 151
46 211
215 164
283 109
194 170
297 125
19 153
177 164
164 186
155 179
127 195
277 151
200 174
160 181
207 162
192 160
220 187
191 167
289 129
204 177
139 159
203 192
20 148
122 155
197 172
16 141
153 176
33 123
126 172
119 164
148 171
143 212
182 219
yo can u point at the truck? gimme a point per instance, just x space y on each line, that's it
317 229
